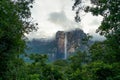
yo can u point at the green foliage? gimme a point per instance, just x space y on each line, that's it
76 75
61 65
39 69
110 26
100 63
34 77
104 55
77 60
14 23
100 51
99 71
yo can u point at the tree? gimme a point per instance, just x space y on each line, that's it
43 71
98 70
104 53
15 22
110 26
75 65
100 51
78 60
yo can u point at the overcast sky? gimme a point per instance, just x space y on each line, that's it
56 15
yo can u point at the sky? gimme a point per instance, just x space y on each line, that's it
57 15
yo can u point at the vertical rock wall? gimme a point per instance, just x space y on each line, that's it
74 42
60 39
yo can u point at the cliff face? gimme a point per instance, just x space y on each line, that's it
60 42
74 42
60 39
65 44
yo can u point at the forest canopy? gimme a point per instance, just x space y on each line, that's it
100 62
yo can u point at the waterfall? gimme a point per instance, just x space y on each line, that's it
65 47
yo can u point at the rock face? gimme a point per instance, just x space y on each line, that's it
75 39
60 42
41 46
74 42
65 44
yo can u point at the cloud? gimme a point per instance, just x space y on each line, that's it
54 15
90 23
60 18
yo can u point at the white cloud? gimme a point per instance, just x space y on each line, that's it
90 23
54 15
60 18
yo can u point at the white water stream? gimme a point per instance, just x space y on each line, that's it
65 46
